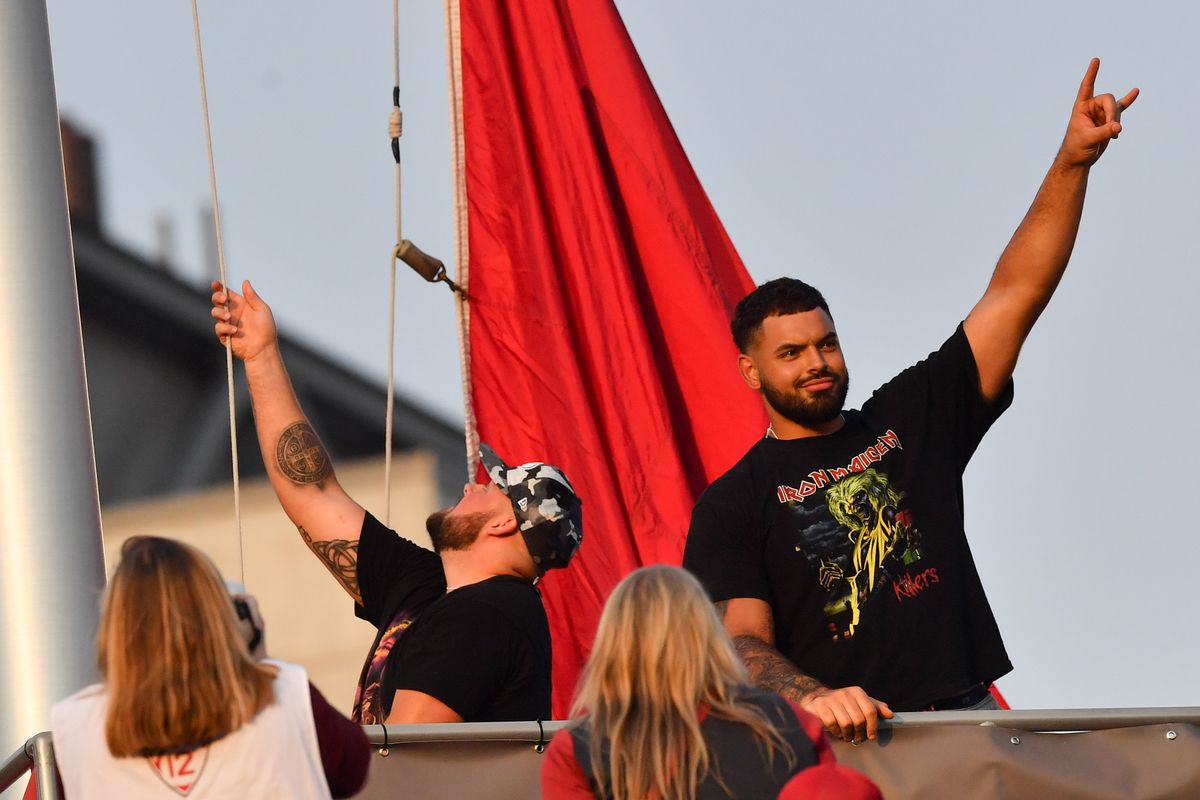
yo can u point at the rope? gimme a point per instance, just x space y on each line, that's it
395 131
212 178
461 250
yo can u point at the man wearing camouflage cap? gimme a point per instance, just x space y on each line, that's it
462 634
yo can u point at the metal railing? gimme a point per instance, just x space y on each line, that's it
1037 720
38 755
447 753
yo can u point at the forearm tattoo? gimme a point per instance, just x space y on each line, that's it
301 456
770 670
340 557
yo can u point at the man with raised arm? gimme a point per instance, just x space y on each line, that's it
835 548
462 634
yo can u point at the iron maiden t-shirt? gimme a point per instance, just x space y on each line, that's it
856 539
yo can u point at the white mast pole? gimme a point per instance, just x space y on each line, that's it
51 556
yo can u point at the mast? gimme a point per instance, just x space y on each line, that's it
51 558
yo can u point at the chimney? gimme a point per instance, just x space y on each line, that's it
79 160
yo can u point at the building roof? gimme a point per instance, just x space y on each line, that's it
157 378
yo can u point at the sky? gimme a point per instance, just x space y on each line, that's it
884 152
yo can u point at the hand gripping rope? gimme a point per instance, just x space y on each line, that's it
428 267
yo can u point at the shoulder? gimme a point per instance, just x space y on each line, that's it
394 573
287 673
375 537
78 719
87 700
563 777
732 486
955 352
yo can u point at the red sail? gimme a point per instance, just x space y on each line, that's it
601 283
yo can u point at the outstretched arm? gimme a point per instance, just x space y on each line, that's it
328 519
1036 257
848 713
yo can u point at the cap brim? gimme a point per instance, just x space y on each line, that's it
496 469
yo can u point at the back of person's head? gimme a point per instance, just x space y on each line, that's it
175 666
660 655
774 298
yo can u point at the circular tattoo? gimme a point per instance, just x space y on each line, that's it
300 455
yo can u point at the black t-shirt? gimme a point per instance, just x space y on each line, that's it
482 649
856 539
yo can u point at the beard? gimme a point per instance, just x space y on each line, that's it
804 408
448 532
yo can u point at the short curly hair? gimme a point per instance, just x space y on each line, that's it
773 298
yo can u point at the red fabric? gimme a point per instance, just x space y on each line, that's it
601 285
562 777
830 782
31 787
1000 701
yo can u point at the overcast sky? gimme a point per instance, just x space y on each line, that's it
884 153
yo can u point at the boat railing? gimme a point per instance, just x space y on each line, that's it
37 755
1064 753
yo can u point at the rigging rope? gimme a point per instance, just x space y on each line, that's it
431 269
461 250
395 130
212 178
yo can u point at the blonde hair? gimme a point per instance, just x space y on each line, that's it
661 655
175 666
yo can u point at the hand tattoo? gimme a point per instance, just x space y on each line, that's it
301 456
340 557
770 670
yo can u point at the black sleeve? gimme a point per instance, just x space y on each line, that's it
943 393
345 753
464 657
723 550
384 560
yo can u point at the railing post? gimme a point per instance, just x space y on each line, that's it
41 750
51 558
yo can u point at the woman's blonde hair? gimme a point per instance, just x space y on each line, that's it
661 655
174 663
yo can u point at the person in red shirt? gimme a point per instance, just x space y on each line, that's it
665 709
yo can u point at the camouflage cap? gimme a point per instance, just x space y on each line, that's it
549 513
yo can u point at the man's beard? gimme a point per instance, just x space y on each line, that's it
448 532
805 409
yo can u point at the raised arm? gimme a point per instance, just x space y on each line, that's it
1032 264
328 519
848 712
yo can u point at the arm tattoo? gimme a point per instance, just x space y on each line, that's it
301 456
770 670
340 557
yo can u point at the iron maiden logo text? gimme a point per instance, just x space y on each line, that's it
819 478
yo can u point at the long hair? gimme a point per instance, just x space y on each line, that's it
661 655
174 663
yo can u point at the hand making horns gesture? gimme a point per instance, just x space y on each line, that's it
1094 121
